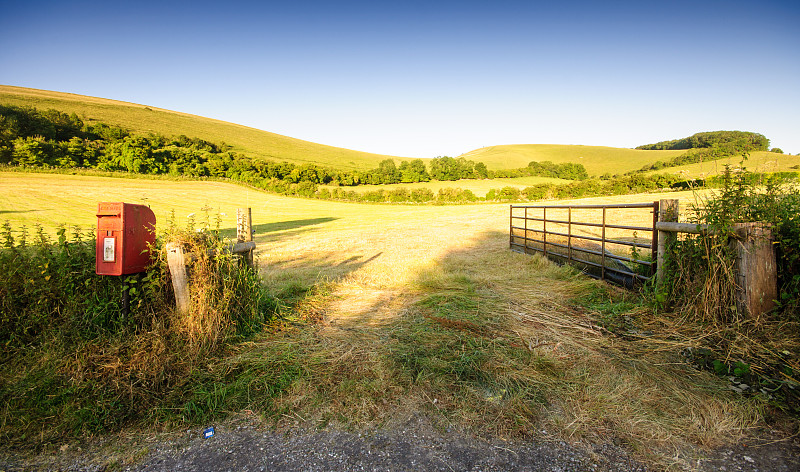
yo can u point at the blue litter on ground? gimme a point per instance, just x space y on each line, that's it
208 432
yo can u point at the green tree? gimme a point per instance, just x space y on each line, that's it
445 168
481 170
413 171
32 151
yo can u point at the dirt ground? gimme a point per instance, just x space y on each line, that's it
242 444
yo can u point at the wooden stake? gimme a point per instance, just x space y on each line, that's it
180 281
756 269
244 231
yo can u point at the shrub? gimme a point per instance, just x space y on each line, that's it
74 363
703 265
422 195
509 193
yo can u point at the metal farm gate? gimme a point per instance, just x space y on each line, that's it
616 243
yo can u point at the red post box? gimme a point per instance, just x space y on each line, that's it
125 233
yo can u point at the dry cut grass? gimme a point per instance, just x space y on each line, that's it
443 318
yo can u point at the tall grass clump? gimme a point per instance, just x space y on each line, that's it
762 352
74 363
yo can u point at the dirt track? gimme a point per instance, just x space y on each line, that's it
413 445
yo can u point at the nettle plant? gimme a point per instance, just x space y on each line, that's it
700 268
760 353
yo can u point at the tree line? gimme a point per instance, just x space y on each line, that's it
730 141
707 146
53 139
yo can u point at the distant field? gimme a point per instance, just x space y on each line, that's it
478 187
50 200
145 119
761 161
597 159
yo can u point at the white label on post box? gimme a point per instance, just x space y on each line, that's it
108 249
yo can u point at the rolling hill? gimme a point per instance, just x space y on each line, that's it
759 161
597 159
147 119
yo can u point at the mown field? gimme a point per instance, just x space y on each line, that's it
404 309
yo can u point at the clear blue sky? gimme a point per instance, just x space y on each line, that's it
427 78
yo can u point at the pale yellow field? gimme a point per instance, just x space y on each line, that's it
597 160
761 161
323 239
478 187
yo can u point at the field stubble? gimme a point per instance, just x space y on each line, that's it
434 313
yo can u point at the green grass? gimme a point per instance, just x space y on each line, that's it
148 119
596 159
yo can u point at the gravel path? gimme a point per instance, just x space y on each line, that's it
413 446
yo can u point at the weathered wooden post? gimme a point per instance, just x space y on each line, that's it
244 232
180 281
757 273
668 210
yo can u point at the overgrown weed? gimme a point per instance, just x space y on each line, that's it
74 364
760 352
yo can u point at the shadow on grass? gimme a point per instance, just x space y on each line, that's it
3 212
279 226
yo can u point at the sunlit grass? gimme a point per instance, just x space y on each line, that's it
149 119
760 161
597 160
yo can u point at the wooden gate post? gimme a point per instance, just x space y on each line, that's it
244 231
180 281
668 210
757 272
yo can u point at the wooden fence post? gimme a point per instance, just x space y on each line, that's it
668 210
244 231
757 271
180 281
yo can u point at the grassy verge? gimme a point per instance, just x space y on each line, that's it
76 363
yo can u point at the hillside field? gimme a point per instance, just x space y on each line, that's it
760 161
598 160
148 119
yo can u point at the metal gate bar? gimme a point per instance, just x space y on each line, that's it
610 265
